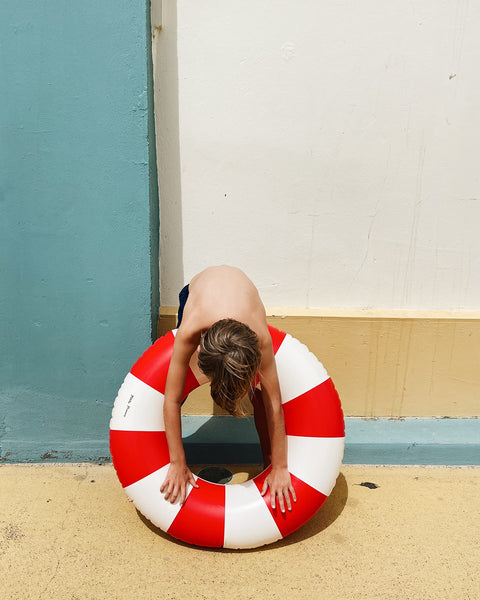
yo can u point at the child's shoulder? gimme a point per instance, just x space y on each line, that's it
194 321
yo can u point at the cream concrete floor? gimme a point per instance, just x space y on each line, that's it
67 532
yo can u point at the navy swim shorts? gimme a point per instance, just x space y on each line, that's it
182 300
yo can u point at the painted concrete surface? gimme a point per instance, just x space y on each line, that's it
339 135
75 299
205 438
68 532
384 363
367 441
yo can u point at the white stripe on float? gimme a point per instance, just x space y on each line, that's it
248 521
298 369
146 496
138 407
315 461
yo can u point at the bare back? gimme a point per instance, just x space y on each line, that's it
222 292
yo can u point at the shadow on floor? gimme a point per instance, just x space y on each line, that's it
327 515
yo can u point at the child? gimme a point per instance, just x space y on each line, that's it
223 336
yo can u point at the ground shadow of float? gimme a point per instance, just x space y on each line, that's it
321 520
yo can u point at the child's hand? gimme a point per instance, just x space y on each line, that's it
176 482
280 484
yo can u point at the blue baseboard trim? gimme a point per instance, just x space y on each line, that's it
380 441
412 441
224 439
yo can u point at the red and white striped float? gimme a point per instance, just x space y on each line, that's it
232 516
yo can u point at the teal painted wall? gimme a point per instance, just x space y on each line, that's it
77 234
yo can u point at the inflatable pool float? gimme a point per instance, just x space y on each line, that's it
235 515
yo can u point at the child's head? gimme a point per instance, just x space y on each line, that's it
230 356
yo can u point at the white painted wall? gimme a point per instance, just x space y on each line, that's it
330 149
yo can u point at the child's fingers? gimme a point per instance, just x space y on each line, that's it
281 502
182 495
174 494
292 491
265 487
272 500
283 499
165 488
171 491
184 489
177 490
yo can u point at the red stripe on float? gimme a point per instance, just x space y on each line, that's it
317 413
201 521
152 366
277 337
309 500
191 383
136 454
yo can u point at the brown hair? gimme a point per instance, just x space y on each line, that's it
230 356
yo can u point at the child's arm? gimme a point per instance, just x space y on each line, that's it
179 475
279 480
